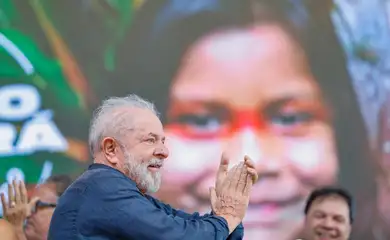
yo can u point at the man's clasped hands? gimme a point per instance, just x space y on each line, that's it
230 196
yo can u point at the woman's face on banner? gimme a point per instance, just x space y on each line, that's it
249 92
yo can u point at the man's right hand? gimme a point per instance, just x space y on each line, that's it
232 199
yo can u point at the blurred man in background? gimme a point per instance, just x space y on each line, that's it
329 214
31 218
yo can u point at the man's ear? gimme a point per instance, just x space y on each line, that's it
110 149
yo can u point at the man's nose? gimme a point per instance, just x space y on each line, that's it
328 224
161 152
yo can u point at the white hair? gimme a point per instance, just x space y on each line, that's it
105 123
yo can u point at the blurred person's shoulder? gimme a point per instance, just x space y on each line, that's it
6 230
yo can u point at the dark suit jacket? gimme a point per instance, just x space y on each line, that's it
105 204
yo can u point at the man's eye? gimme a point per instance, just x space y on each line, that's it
339 219
151 140
319 215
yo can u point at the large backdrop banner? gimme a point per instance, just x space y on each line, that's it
298 85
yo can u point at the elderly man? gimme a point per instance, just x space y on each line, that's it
109 200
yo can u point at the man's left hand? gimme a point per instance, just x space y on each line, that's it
224 169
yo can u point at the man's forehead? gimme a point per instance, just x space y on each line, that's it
46 192
144 131
332 204
150 127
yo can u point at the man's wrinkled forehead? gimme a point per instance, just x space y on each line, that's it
149 132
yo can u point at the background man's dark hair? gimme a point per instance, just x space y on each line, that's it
331 191
61 183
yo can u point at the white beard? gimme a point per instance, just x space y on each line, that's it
145 180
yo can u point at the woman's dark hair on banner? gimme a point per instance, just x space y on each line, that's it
161 59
